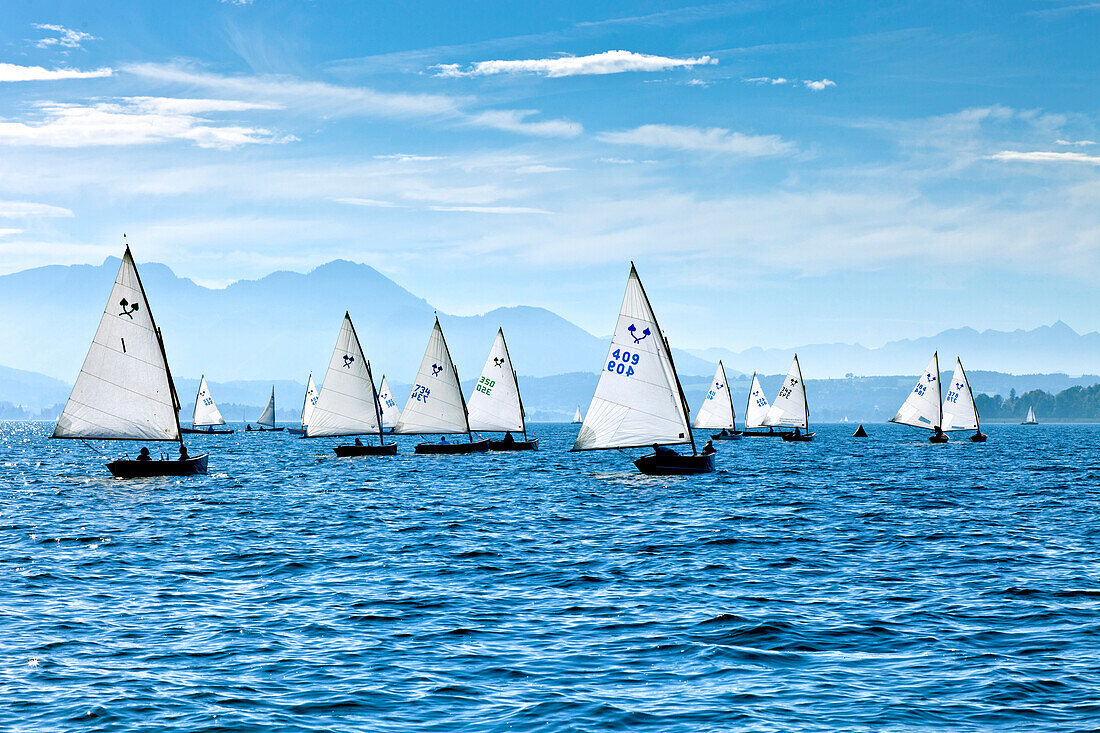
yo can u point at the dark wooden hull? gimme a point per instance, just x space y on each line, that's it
126 468
735 435
978 437
346 451
674 464
941 438
772 434
265 430
803 438
452 449
504 445
196 431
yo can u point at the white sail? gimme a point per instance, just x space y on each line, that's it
1031 415
206 411
789 409
637 401
310 400
123 391
347 403
757 408
435 405
921 408
959 412
577 419
494 404
716 412
268 416
391 413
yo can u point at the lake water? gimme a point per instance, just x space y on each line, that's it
845 583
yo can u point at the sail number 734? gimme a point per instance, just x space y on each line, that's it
622 362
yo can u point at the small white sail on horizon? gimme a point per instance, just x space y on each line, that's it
391 413
267 417
959 411
757 408
1030 419
494 404
638 400
124 389
790 409
435 405
922 408
309 401
206 410
716 412
577 419
347 403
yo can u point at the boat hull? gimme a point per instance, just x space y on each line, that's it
195 431
452 449
265 430
346 451
1025 422
296 431
735 435
127 468
772 434
941 438
501 446
978 437
802 438
674 464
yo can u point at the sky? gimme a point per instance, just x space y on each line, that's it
781 173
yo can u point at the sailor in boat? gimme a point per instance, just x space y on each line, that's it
442 438
248 427
183 452
937 433
724 433
663 450
708 449
509 439
797 432
358 442
144 455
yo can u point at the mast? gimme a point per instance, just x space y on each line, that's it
458 382
748 402
729 395
939 389
163 354
522 414
973 403
377 406
805 401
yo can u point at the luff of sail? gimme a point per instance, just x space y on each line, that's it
716 412
206 410
268 416
789 409
494 404
637 400
959 412
347 404
757 408
123 391
435 405
309 401
921 408
391 413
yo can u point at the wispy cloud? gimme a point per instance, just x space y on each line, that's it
819 85
9 231
767 80
14 72
18 209
1045 156
701 139
375 203
541 168
65 38
815 85
408 157
607 62
1065 10
516 120
1076 143
491 209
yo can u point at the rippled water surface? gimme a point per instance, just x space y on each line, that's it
884 583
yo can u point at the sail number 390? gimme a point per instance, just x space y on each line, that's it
622 362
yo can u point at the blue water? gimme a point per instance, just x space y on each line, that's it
842 584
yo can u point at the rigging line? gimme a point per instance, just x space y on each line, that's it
90 446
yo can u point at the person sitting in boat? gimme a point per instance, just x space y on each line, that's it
797 432
248 427
708 449
662 450
358 442
209 428
936 432
509 439
183 452
144 455
724 433
442 438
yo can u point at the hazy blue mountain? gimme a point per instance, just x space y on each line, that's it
31 390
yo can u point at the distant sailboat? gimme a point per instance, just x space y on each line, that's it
716 412
1030 419
790 409
756 410
638 400
206 414
308 403
391 413
495 405
577 419
959 410
266 420
435 405
124 390
348 401
922 408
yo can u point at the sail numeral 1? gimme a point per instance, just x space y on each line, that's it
622 362
123 345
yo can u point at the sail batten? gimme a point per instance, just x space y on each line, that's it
959 411
789 410
347 403
922 408
494 404
435 405
206 410
757 407
716 412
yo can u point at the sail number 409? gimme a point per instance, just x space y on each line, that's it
622 362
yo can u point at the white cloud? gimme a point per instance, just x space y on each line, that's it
408 157
515 120
19 209
699 139
14 72
1045 156
768 80
491 209
8 232
352 201
65 38
818 86
1075 143
608 62
540 168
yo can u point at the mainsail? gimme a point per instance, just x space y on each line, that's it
494 404
310 400
921 408
577 419
638 401
716 413
790 409
435 405
1031 415
348 404
206 411
268 416
124 390
959 412
391 413
757 408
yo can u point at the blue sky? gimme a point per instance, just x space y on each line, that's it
781 172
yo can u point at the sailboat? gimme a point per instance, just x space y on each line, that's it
959 410
206 413
348 402
391 413
756 410
1030 419
124 390
790 409
716 412
495 404
308 403
435 405
577 419
922 408
638 400
266 420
